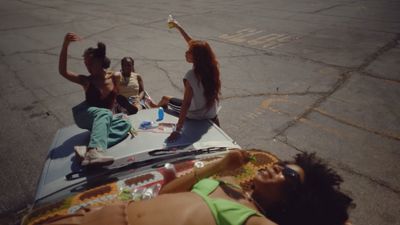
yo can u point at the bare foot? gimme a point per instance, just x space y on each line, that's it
150 103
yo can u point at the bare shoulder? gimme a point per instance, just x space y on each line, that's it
117 74
259 220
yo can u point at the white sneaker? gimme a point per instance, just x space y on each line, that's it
80 151
93 157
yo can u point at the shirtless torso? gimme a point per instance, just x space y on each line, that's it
178 208
100 91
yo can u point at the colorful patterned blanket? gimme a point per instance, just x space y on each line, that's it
142 186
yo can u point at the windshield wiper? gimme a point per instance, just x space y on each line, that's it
164 155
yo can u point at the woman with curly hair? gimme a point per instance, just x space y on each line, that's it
202 85
310 197
301 192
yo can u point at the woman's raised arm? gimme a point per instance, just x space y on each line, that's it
141 87
62 64
182 31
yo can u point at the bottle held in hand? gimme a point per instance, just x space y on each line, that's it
170 22
169 172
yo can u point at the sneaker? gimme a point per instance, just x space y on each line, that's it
93 157
80 151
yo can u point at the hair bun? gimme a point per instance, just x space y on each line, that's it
106 63
101 49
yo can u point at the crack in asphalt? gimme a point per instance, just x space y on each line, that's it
283 139
275 94
379 133
36 4
281 132
327 8
367 74
21 83
341 81
344 167
37 26
390 45
380 182
343 78
277 55
169 77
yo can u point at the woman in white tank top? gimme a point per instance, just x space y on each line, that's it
202 85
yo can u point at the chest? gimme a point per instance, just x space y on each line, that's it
100 87
129 82
103 85
231 195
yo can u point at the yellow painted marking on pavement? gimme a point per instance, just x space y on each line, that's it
241 35
284 38
267 102
251 37
322 127
328 71
278 41
264 39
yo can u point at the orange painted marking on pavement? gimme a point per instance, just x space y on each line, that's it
322 127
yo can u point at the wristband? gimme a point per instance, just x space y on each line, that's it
177 131
197 165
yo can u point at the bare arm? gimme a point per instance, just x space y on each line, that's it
186 182
141 87
182 31
256 220
62 65
231 161
187 99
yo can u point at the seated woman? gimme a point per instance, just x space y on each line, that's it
95 112
130 85
202 85
304 191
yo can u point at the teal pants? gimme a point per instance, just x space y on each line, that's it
105 130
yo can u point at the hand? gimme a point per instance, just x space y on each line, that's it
173 136
70 37
235 159
175 23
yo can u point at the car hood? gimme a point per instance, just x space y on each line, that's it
147 147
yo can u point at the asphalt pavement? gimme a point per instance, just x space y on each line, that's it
305 75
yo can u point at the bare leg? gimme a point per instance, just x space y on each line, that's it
163 102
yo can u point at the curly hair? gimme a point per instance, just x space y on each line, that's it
99 53
206 70
318 201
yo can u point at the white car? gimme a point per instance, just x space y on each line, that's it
138 170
